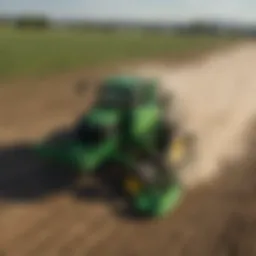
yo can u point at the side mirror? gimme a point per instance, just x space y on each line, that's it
82 87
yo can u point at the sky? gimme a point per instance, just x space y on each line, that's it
142 10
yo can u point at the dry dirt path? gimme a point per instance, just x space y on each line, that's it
217 97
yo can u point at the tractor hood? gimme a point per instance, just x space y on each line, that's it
102 117
89 155
73 153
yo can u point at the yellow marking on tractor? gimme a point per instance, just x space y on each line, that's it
132 185
177 151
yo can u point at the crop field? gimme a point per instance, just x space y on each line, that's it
40 53
40 213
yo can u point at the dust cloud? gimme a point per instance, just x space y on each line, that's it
215 99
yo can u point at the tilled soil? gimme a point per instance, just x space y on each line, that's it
40 216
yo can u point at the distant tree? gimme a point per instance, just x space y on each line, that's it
34 22
200 27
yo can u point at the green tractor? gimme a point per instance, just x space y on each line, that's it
127 127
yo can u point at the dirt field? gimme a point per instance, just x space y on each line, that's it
39 216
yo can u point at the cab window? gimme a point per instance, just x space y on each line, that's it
146 94
113 97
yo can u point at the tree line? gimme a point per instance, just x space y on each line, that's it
196 27
32 22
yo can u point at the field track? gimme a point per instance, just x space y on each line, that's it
39 217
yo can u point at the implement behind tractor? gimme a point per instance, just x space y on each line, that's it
127 126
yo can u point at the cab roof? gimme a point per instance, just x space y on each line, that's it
124 81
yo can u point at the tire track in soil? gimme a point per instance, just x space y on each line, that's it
24 220
23 240
60 219
61 229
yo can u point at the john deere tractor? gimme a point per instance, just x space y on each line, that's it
127 127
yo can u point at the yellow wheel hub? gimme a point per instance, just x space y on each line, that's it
132 185
177 151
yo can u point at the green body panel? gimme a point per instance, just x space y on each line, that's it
102 117
145 121
124 81
154 202
140 130
75 154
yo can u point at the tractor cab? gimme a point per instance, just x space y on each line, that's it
117 101
126 126
123 92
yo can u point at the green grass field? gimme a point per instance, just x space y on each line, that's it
35 53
